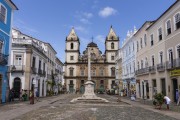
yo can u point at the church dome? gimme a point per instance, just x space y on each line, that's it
92 44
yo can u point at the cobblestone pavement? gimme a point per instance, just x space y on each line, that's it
60 108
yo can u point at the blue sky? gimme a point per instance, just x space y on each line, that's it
52 20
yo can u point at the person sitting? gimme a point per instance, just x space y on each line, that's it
167 101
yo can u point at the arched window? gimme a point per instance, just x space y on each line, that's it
112 45
113 71
72 46
71 71
177 20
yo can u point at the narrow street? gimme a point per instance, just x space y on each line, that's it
60 108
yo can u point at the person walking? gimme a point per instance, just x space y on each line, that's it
37 95
178 98
167 101
31 96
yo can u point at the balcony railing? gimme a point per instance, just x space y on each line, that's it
17 68
40 72
152 69
34 70
44 73
161 67
178 62
171 64
3 59
142 71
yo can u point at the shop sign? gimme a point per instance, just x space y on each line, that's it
175 73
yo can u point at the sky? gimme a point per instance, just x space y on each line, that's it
51 20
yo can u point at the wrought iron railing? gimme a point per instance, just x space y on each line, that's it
161 67
17 68
142 71
152 69
34 70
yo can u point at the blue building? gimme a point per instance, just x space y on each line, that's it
6 12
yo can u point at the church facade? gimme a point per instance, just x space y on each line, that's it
102 65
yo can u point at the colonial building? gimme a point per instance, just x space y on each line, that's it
28 66
6 15
102 65
118 67
128 62
58 75
158 56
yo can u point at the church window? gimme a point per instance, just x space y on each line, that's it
82 72
112 57
71 57
71 70
101 71
72 46
112 71
112 45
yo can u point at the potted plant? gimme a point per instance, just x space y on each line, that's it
158 100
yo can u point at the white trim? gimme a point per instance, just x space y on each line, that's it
175 20
166 26
151 40
160 57
154 59
176 50
5 22
171 48
158 33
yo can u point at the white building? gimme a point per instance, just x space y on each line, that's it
128 62
28 64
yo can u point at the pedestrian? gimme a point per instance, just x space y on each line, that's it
21 95
167 101
37 95
31 96
177 95
178 98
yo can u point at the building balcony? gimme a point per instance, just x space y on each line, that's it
161 67
44 73
142 71
178 63
34 70
3 59
40 72
171 64
17 68
152 69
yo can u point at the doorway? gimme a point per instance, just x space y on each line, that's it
175 86
82 89
17 87
163 86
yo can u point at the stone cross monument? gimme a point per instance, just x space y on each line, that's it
89 95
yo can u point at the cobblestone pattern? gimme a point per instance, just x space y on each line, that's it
61 109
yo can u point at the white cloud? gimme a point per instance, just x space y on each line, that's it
81 29
107 11
88 15
85 21
100 38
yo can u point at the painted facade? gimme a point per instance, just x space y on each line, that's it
6 15
158 62
128 63
28 66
